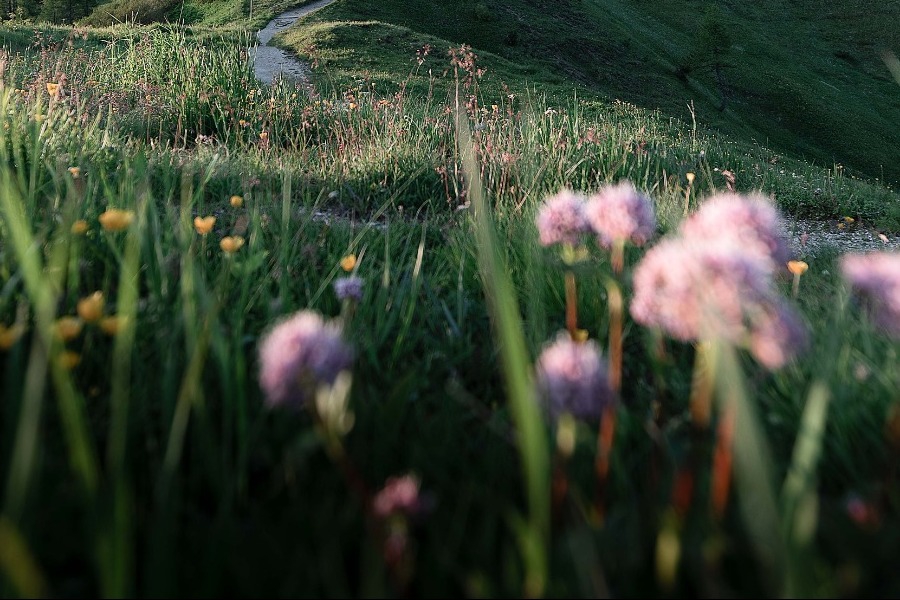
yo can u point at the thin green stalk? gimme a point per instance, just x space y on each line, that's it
534 532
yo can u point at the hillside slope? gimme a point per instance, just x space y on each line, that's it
804 78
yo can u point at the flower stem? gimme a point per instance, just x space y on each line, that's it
616 307
571 305
702 385
722 459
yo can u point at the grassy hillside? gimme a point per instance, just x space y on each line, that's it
162 214
804 78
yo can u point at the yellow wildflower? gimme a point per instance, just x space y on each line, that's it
231 244
690 177
797 267
204 225
69 359
348 262
10 335
115 219
68 328
112 324
53 89
849 220
236 201
75 172
80 227
90 308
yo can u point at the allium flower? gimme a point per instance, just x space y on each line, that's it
299 354
573 378
399 495
748 221
875 278
693 290
777 336
621 213
561 219
349 288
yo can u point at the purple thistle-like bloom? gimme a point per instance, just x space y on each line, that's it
621 213
694 291
751 222
349 288
561 219
777 336
298 355
399 495
875 278
573 378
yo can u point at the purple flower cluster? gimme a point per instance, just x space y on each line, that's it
615 213
349 288
299 354
716 280
875 278
561 219
621 213
573 378
750 221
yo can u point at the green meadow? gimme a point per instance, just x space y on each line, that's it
161 212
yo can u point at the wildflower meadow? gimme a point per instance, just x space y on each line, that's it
452 338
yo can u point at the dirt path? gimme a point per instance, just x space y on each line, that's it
270 62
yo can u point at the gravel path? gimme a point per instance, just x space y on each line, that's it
270 62
809 237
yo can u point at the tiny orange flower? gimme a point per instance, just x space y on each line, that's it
231 244
348 262
68 328
75 172
69 360
204 225
264 135
797 267
690 177
53 89
10 335
80 227
849 220
90 309
352 105
236 201
112 325
116 219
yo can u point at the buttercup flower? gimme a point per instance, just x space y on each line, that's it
348 288
68 328
875 278
80 227
573 378
53 89
112 325
10 335
115 219
75 172
231 244
204 225
561 219
90 309
620 213
348 262
749 221
236 201
299 354
797 267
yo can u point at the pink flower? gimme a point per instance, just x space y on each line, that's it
399 495
573 378
299 354
561 219
778 335
692 290
875 278
748 221
621 213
